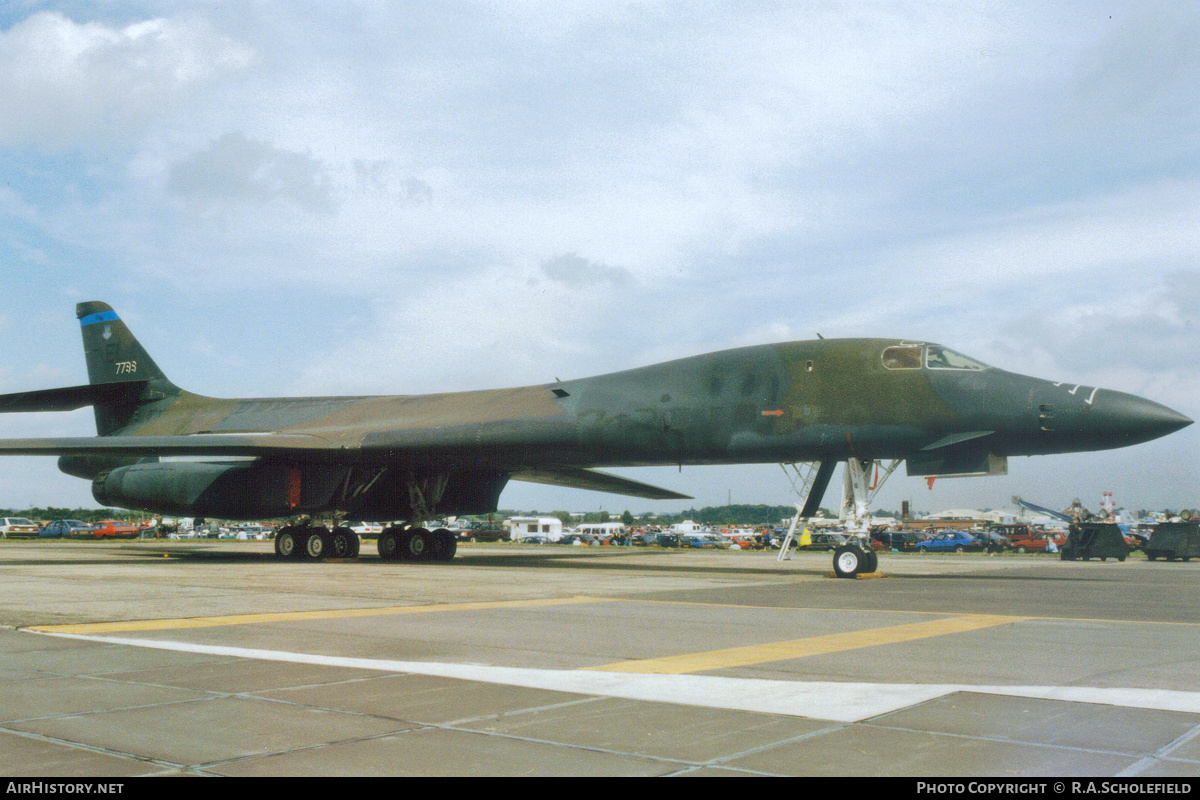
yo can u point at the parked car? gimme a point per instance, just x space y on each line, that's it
821 541
904 541
667 540
743 542
486 535
994 541
1039 542
949 542
114 529
704 540
67 529
367 530
1136 539
17 528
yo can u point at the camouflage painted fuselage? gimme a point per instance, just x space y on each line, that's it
395 457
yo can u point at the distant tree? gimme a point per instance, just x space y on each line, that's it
627 518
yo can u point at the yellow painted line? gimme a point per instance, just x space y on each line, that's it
812 646
906 612
295 616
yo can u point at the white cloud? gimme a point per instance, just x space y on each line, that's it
1145 342
240 169
72 80
575 271
496 326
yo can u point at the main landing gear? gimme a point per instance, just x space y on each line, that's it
416 544
396 543
314 542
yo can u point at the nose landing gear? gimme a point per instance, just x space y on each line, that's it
850 560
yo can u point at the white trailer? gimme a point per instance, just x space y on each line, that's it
525 527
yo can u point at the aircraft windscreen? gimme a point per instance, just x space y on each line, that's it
902 357
938 357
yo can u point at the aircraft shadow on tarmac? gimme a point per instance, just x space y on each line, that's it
591 561
547 560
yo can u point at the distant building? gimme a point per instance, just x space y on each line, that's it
959 518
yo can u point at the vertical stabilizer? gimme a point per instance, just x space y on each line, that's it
114 356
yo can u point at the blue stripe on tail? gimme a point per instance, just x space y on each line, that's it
102 316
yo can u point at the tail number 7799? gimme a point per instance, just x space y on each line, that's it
126 367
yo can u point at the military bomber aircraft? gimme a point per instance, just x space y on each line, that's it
413 457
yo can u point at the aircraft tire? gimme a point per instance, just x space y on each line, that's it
343 543
388 544
872 564
286 543
316 544
443 545
415 544
848 561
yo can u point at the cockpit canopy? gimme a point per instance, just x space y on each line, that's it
929 356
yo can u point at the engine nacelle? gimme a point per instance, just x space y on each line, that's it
88 467
226 490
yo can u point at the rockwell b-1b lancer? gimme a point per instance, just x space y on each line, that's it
411 457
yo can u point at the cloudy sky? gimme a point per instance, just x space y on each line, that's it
396 197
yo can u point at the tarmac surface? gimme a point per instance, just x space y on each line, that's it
215 658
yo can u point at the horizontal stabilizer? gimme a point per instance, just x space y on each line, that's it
200 444
71 397
579 478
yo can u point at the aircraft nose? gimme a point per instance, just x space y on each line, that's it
1132 418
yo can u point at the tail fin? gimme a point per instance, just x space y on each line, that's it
113 354
116 360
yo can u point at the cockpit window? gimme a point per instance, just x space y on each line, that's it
902 357
938 357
